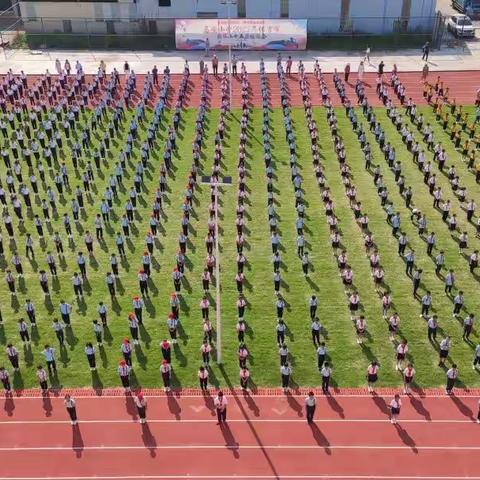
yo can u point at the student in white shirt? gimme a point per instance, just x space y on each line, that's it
444 349
408 375
476 358
452 375
326 375
402 350
141 405
220 403
372 375
310 406
70 405
395 406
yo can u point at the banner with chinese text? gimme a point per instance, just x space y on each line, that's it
245 34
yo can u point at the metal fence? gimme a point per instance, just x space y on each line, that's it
159 33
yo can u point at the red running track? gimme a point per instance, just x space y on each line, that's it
463 87
266 437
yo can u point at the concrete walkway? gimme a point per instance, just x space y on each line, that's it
36 61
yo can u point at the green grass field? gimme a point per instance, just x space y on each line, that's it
349 359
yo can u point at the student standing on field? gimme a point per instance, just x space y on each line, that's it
285 372
5 379
124 374
203 378
141 405
13 357
166 373
452 375
372 375
395 406
71 407
244 376
408 375
220 403
444 349
42 379
310 406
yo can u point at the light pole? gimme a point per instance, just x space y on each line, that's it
228 3
214 184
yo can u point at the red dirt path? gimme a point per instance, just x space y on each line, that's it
267 437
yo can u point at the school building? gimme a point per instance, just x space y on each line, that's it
325 17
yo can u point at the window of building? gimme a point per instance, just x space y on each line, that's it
207 14
110 26
241 9
164 3
67 26
152 27
283 8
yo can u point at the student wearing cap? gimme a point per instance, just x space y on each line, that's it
220 403
141 405
71 407
124 374
166 372
174 304
166 350
310 406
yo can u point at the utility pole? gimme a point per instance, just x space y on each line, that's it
214 184
228 3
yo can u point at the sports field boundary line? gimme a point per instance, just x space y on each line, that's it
56 448
253 477
236 420
260 392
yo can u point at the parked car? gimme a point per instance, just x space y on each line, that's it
461 26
